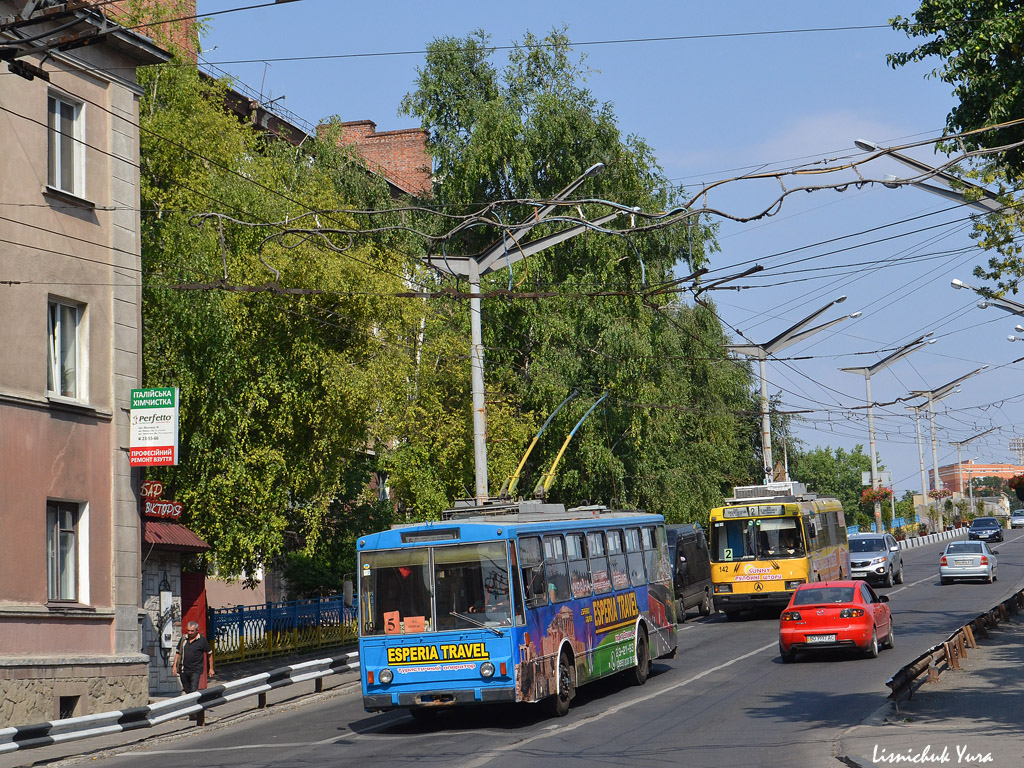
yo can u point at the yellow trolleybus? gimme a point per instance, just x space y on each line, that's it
769 539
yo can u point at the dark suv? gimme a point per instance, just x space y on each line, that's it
985 529
691 569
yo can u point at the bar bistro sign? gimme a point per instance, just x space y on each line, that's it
157 507
153 439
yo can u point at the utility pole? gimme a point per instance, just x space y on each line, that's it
496 257
867 372
934 395
788 337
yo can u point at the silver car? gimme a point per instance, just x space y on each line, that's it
1017 518
876 557
968 560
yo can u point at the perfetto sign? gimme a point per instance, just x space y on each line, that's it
153 441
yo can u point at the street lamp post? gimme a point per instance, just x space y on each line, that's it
920 452
867 373
960 444
492 259
934 395
987 202
790 336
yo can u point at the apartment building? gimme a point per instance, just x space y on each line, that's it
70 308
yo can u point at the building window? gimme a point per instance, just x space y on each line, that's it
61 551
63 349
66 147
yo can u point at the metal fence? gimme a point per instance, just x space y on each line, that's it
105 723
248 632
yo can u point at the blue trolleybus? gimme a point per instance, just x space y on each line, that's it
522 601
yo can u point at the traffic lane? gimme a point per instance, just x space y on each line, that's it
730 673
926 612
321 733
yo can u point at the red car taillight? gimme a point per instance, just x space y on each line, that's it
943 561
984 560
851 613
790 616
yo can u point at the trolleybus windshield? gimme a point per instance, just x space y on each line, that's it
469 584
751 539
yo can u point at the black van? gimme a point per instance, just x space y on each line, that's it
691 568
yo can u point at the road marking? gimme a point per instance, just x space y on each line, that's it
489 755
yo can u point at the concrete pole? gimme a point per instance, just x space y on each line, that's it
920 453
959 471
766 425
871 447
476 358
935 462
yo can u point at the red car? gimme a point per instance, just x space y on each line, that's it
835 614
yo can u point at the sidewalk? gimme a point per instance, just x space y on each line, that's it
970 717
288 696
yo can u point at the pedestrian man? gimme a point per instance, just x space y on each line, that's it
193 655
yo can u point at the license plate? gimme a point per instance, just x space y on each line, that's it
961 562
821 638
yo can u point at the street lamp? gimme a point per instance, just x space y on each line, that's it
492 259
790 336
987 201
867 372
1009 305
934 395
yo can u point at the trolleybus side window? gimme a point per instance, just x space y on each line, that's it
531 558
518 603
555 569
647 540
472 586
394 589
617 560
579 571
599 572
635 558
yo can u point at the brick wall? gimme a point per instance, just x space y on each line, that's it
400 156
180 36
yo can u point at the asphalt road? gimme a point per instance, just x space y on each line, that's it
725 700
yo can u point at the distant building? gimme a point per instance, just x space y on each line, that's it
70 307
951 474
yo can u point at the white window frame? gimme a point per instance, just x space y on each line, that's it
57 590
59 314
61 143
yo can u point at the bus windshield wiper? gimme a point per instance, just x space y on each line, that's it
475 622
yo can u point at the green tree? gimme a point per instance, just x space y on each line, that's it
672 435
280 393
976 46
835 473
979 48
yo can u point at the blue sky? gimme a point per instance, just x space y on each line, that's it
712 109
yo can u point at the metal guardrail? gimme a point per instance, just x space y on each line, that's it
248 632
104 723
949 652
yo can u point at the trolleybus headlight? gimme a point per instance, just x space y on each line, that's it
487 669
386 676
794 584
723 587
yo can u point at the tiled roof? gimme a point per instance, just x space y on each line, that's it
167 535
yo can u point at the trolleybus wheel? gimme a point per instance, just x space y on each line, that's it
560 701
643 659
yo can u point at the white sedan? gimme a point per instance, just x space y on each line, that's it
968 560
1017 518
